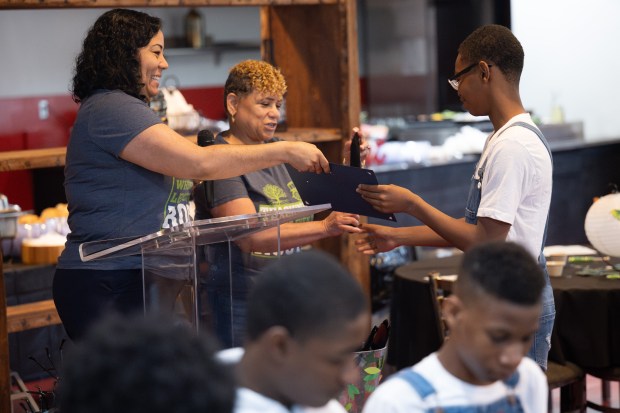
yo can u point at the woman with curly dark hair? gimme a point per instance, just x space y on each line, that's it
127 174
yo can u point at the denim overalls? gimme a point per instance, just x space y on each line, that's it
542 338
508 404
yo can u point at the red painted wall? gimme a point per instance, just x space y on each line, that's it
21 128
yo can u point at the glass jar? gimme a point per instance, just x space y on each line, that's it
194 32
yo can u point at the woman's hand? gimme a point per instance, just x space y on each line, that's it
338 223
376 238
306 157
364 148
388 198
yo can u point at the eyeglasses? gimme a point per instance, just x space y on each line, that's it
455 81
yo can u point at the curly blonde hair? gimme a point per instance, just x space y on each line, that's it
254 75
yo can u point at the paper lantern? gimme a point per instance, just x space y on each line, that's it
602 225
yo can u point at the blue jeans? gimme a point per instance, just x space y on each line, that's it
223 288
542 338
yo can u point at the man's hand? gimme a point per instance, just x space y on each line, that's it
376 238
388 198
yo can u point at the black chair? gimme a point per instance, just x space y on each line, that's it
607 376
571 380
440 287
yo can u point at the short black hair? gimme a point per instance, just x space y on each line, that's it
496 45
109 56
144 364
308 293
504 270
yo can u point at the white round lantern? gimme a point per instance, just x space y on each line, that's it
602 225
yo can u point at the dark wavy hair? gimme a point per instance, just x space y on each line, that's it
497 45
109 56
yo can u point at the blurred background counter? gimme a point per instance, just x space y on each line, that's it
440 172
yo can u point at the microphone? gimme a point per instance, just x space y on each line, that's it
205 138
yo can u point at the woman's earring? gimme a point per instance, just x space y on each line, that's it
232 118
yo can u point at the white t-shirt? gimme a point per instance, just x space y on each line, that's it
398 396
248 401
517 182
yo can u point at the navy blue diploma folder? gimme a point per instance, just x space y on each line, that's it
337 188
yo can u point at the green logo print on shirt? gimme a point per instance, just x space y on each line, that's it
279 199
176 211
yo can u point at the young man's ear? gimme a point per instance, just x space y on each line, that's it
451 309
277 344
484 70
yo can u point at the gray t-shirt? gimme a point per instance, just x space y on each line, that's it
109 197
269 189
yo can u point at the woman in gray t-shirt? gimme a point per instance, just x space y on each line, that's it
253 97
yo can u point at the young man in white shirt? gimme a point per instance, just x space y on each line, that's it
306 317
491 318
510 190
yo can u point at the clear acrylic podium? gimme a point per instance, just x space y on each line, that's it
181 265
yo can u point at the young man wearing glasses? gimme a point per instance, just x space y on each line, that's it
510 190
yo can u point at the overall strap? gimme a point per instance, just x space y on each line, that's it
544 141
425 389
512 380
537 132
526 126
419 383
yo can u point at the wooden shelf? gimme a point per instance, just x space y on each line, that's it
312 135
52 157
175 48
32 159
45 4
31 315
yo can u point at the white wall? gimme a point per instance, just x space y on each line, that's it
570 52
38 47
572 55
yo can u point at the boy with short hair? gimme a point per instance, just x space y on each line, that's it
492 317
144 364
306 317
510 190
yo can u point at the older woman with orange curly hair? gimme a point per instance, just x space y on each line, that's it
253 96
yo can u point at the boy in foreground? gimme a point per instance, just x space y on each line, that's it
306 317
492 317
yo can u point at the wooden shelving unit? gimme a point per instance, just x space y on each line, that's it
48 4
176 47
32 158
314 42
312 135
